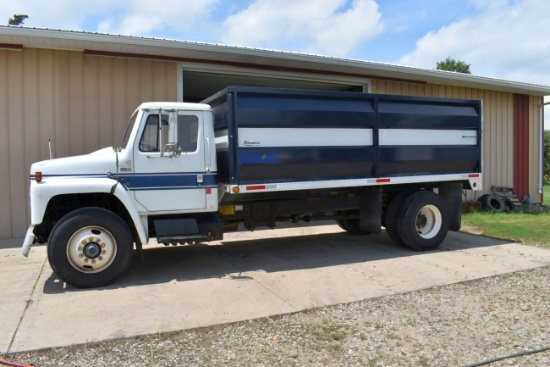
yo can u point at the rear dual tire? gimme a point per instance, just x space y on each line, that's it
351 226
419 220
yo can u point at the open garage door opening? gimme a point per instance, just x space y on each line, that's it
198 85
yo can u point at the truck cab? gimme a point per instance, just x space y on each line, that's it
97 205
168 158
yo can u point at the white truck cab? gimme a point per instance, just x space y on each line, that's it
168 159
165 165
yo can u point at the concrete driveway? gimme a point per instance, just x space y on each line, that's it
249 275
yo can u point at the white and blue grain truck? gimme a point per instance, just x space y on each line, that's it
185 173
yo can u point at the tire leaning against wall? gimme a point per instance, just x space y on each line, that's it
492 202
509 206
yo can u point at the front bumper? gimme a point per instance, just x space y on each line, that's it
29 240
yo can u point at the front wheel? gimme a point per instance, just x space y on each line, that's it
90 247
423 221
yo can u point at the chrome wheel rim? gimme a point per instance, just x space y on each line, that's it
91 249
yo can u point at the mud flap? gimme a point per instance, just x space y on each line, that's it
370 210
452 194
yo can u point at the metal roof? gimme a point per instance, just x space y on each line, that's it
244 57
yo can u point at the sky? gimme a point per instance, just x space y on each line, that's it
507 39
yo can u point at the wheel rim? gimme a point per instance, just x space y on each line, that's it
428 221
91 249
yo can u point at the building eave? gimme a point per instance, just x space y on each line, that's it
17 38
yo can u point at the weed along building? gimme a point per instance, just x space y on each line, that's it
78 89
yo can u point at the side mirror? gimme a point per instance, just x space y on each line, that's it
173 148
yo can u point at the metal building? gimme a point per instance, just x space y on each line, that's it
77 89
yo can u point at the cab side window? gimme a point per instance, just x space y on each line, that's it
150 139
188 132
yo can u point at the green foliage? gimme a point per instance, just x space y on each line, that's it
453 65
18 19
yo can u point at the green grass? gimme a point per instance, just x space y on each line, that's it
527 228
546 199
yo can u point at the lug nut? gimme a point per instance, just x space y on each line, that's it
83 242
85 260
100 258
80 255
103 252
80 248
93 261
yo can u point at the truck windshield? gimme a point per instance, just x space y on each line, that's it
128 131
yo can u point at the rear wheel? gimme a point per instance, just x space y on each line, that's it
391 216
351 226
90 247
423 221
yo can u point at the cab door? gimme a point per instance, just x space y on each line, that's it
169 162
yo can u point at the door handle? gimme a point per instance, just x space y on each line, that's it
208 155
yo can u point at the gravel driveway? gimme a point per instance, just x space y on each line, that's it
456 325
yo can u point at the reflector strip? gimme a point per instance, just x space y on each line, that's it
473 175
383 180
258 187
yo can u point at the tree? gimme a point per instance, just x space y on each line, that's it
17 19
454 65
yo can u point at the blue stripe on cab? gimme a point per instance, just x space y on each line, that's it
169 181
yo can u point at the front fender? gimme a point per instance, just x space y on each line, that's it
42 192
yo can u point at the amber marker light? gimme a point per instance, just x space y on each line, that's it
38 176
236 189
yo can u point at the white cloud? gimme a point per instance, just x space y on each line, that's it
128 17
145 17
507 39
332 27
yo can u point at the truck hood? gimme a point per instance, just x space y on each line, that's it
96 163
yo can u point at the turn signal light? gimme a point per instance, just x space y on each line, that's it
38 176
236 189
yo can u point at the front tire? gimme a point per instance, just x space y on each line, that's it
90 247
423 221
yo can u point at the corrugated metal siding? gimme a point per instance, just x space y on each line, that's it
80 102
498 130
